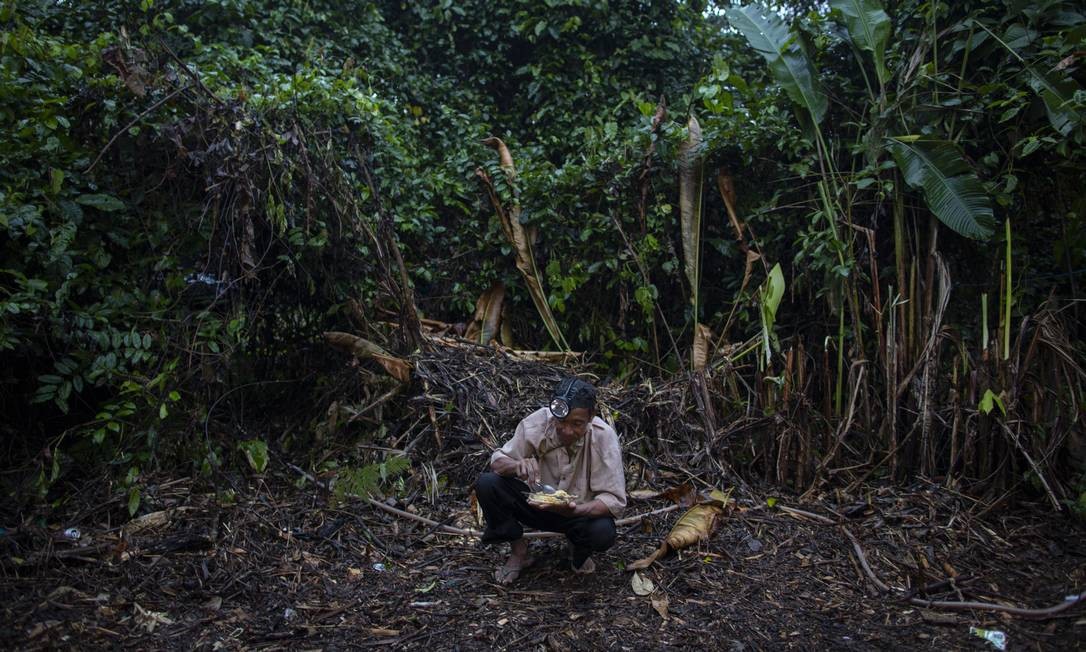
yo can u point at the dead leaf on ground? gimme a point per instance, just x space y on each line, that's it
641 584
660 603
695 525
148 619
683 494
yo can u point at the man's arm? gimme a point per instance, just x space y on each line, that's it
516 458
526 469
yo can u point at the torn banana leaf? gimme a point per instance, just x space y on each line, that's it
697 524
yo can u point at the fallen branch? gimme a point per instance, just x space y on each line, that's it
448 529
1024 612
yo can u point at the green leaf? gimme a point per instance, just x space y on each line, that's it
163 412
56 179
133 500
770 293
771 501
256 452
1058 96
791 67
869 28
952 191
989 400
101 202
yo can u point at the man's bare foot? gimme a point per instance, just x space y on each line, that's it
519 559
510 571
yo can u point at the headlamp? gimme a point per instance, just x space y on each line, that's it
559 406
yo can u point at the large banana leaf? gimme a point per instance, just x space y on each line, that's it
768 34
690 187
951 189
869 28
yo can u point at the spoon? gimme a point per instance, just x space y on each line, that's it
543 488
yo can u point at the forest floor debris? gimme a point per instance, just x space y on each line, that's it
271 565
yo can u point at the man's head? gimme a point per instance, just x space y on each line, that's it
573 405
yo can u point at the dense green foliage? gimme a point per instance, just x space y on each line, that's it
186 197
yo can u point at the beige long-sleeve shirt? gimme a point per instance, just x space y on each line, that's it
590 469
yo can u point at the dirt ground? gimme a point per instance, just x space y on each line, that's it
275 564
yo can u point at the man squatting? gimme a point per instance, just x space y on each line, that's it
570 448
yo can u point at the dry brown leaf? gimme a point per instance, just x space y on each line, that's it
360 347
703 341
695 525
683 494
522 240
644 494
726 186
690 182
641 584
660 603
488 314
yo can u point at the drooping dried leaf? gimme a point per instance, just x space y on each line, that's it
703 341
522 240
726 187
660 603
360 347
690 181
488 313
644 494
641 584
507 327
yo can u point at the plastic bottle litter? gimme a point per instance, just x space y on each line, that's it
72 534
997 638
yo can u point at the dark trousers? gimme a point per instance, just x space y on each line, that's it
506 509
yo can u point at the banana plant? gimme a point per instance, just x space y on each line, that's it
868 28
952 191
790 65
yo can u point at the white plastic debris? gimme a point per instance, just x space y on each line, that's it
379 567
72 534
289 614
997 638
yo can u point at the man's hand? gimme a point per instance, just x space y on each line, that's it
562 509
528 470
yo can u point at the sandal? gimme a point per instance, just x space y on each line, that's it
587 568
506 575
